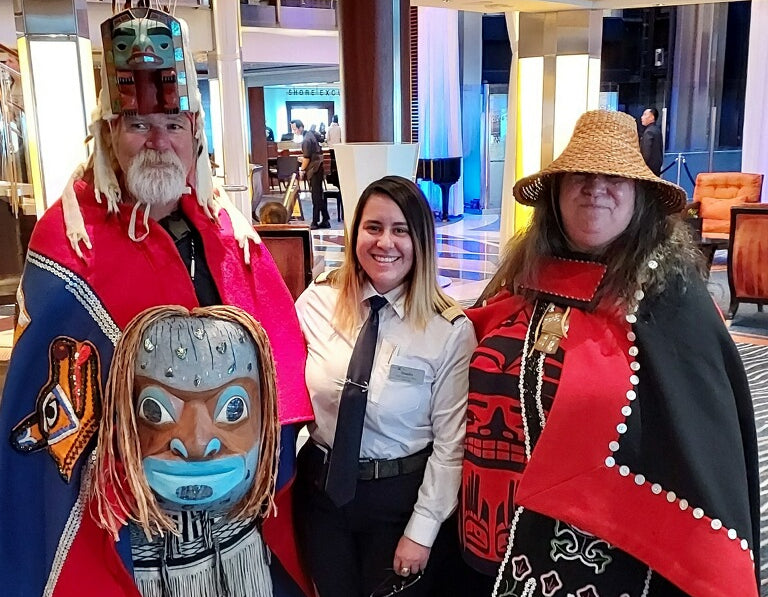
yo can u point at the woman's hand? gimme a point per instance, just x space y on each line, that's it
411 556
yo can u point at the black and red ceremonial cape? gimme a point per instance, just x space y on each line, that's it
649 442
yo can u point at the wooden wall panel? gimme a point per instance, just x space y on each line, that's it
258 126
367 55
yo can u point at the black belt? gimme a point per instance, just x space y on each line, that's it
370 469
381 468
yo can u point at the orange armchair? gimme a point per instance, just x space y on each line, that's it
747 257
718 192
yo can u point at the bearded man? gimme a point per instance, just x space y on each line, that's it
138 226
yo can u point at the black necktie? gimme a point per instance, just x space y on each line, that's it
342 469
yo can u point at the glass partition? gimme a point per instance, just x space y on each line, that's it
14 159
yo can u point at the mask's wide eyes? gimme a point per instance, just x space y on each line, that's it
234 410
154 412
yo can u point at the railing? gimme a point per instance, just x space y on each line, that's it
290 14
14 172
682 168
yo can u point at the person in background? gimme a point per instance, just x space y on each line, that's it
387 376
317 133
311 169
270 134
273 212
138 226
333 136
610 442
652 141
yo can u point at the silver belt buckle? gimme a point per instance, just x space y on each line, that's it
375 469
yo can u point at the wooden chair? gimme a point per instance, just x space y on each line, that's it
332 177
717 192
291 247
272 164
748 256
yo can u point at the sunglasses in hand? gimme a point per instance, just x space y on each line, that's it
394 584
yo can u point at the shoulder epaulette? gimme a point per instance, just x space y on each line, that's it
452 314
324 278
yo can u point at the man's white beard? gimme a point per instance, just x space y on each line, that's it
156 177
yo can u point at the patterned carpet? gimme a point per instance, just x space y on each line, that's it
754 358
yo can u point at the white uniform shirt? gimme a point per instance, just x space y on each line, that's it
417 393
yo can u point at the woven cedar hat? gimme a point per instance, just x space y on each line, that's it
603 142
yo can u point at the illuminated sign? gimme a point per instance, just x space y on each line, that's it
313 91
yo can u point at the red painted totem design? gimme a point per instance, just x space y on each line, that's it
494 457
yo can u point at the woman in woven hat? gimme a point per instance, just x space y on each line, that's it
610 446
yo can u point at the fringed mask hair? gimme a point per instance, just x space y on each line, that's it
189 419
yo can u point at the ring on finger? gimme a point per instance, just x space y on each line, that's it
405 570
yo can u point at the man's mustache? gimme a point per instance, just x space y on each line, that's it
153 157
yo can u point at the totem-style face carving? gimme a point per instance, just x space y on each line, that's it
143 44
197 398
199 449
68 407
145 63
495 453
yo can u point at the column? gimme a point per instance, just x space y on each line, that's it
375 73
754 157
440 98
59 90
258 127
698 75
471 51
554 78
229 68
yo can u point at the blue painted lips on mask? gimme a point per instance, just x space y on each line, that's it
203 484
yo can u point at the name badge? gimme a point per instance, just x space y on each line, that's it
406 374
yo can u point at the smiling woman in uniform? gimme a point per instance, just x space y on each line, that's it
387 374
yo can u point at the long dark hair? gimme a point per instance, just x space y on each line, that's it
650 235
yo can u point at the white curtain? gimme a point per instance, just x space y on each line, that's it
439 97
755 145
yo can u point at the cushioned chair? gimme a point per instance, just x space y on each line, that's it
718 192
748 256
